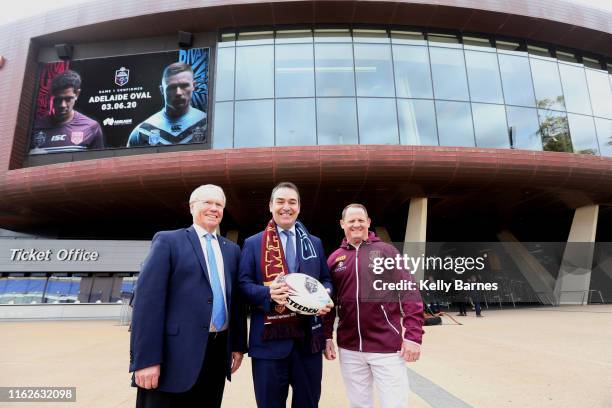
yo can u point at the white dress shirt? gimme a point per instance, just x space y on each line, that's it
219 261
283 238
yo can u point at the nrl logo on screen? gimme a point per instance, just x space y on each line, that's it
40 138
122 76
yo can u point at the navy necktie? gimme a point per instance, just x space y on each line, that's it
290 252
218 312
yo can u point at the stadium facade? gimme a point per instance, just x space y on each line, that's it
452 121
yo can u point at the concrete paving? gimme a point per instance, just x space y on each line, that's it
537 357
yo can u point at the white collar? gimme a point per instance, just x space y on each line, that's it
201 232
279 229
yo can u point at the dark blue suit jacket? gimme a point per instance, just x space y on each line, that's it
173 308
251 286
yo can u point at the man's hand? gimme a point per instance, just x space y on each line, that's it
325 309
147 377
410 351
236 360
330 350
279 291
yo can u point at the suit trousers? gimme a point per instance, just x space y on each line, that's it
387 370
207 392
272 377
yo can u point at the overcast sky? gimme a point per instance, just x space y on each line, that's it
15 10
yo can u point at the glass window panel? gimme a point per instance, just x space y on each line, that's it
547 84
22 290
490 126
525 128
332 131
454 124
370 36
591 63
373 69
566 56
408 37
412 75
255 38
223 125
582 130
448 72
62 289
540 51
483 77
377 121
294 70
227 40
516 80
601 96
509 47
13 289
254 124
575 89
255 72
128 284
333 35
443 40
295 122
477 44
334 69
4 296
604 134
554 131
417 122
224 84
293 36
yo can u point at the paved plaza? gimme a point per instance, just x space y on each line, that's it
528 357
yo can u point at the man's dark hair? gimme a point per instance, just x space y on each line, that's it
65 80
176 68
285 184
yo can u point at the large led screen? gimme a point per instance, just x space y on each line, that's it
130 101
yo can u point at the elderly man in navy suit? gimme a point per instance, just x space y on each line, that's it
285 347
188 326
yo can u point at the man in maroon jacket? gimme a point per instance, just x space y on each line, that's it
378 331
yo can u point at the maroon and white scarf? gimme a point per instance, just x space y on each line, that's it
279 322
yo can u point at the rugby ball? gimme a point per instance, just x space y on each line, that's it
306 294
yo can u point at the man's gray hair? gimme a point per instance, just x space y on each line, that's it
204 188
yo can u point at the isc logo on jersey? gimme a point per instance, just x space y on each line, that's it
58 138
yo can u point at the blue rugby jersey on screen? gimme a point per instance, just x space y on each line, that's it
160 129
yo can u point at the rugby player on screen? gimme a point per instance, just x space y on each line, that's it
65 130
178 122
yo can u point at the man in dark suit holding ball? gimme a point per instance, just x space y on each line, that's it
285 347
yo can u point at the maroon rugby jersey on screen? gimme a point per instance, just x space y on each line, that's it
81 133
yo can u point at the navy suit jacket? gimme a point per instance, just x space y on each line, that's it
258 295
173 308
